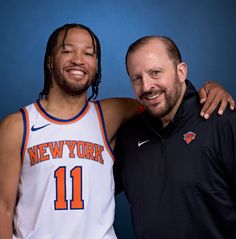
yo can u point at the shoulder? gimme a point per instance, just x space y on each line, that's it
12 121
132 127
11 128
229 115
222 123
229 119
119 105
116 111
120 109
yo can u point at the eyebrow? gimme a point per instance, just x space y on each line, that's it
71 45
155 69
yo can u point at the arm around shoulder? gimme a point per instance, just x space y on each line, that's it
116 111
11 131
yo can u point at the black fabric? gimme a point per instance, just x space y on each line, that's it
179 189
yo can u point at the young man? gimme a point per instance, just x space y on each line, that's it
176 169
56 178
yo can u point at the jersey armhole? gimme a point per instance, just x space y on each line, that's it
103 128
25 137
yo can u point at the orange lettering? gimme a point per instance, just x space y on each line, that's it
71 146
42 152
98 153
89 150
33 154
56 149
80 149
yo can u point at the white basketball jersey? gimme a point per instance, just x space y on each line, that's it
66 188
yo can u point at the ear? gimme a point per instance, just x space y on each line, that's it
182 71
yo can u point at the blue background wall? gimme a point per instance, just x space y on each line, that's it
204 30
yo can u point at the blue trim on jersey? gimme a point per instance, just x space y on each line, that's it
62 120
104 128
24 132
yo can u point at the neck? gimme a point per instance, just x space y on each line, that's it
63 106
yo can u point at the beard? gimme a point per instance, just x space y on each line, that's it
171 98
72 89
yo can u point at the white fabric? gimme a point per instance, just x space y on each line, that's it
36 215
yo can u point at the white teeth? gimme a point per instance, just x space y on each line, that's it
76 72
151 97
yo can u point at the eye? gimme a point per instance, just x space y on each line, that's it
66 51
136 79
89 53
155 73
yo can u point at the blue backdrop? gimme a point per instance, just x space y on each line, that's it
204 30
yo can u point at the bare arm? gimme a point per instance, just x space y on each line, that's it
213 95
11 131
116 111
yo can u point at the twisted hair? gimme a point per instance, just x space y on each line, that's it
51 44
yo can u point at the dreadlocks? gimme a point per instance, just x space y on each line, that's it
52 42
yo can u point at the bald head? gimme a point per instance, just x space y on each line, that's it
168 44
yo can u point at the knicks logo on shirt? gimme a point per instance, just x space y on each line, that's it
189 137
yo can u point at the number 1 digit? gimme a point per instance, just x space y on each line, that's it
61 203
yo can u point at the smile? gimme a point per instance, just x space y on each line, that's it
153 96
77 72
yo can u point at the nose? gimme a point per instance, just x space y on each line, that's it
77 58
146 83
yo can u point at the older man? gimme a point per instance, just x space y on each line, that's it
177 169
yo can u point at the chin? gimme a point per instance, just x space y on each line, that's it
157 113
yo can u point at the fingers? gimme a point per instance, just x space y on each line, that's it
231 102
213 100
224 103
202 95
213 95
210 104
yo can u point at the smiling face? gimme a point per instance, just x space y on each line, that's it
73 63
157 81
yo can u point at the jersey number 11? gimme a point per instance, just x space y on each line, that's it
61 203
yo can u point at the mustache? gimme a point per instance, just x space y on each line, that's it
150 93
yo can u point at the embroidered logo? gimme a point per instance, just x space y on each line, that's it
143 142
33 128
189 137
